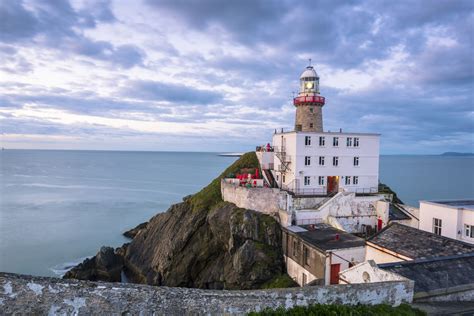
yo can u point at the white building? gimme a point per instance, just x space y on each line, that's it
326 162
453 219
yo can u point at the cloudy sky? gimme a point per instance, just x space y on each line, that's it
213 75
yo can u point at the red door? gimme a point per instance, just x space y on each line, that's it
335 268
333 184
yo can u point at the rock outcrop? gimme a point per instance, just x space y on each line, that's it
134 231
202 242
106 265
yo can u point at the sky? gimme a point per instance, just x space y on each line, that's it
209 75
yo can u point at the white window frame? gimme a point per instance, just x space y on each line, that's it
335 161
437 226
348 180
307 141
322 141
335 141
321 160
349 142
321 180
355 180
307 180
469 231
356 141
356 161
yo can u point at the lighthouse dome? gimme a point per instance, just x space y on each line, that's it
309 72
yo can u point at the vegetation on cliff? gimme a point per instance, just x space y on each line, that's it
211 194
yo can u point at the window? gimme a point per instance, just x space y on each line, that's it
437 226
335 161
321 180
335 141
295 248
307 161
307 141
307 180
306 255
321 141
283 178
321 160
348 180
304 279
311 110
356 141
310 125
469 229
349 141
355 180
278 178
356 161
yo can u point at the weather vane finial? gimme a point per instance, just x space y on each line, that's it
309 61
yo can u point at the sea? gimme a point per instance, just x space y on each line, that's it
59 207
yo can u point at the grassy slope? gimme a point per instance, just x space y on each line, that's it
211 195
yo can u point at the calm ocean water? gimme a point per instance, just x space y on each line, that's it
58 207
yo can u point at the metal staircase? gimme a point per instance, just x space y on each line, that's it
285 160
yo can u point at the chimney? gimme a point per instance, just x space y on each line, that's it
340 130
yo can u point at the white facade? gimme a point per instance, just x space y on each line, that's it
453 219
321 163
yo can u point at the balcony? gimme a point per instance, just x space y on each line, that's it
307 100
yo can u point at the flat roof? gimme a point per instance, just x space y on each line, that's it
418 244
328 133
463 204
323 236
436 273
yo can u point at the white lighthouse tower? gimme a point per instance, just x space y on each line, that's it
309 161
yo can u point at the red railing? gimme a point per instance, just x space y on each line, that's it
311 99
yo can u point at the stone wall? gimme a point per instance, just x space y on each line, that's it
264 200
41 296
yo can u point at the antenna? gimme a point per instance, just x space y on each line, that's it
293 93
309 62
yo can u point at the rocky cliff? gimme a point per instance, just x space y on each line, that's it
202 242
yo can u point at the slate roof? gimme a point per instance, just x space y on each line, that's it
464 204
323 237
396 213
436 273
418 244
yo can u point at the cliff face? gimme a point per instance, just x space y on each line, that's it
224 247
202 242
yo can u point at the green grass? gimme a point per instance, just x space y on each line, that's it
211 194
344 310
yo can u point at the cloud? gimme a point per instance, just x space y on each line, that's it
175 93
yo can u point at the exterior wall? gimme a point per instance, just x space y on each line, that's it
453 220
351 211
382 256
367 151
295 271
50 296
264 200
305 117
367 272
317 258
344 257
265 159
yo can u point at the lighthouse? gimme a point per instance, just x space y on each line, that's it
309 103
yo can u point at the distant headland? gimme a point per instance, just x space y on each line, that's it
453 153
